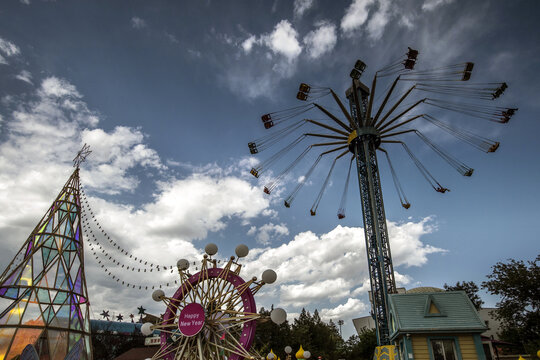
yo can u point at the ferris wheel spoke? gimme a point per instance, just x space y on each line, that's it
170 305
166 350
181 349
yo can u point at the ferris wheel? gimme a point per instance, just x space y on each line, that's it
212 315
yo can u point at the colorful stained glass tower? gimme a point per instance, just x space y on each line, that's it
47 285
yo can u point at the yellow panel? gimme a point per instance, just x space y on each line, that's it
467 347
385 352
433 309
420 349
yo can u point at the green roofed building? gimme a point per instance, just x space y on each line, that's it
436 326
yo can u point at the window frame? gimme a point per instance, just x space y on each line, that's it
453 338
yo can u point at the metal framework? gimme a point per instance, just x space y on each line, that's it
47 285
230 314
369 126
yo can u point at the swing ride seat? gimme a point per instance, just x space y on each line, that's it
312 213
412 54
253 148
268 124
266 117
266 190
468 172
341 215
441 189
254 172
406 205
409 64
287 204
305 88
301 96
494 147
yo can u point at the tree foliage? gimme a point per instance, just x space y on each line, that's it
361 347
470 288
319 337
518 285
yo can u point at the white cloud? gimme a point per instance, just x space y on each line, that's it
266 231
378 20
171 37
247 44
430 5
137 22
321 40
333 266
351 309
25 76
355 15
301 6
8 49
283 40
42 133
54 87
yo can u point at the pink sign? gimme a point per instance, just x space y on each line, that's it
191 319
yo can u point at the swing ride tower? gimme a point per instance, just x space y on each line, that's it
363 143
369 126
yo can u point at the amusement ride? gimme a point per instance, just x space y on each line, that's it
371 124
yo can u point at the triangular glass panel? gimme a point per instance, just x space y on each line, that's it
63 316
23 337
48 314
58 344
60 298
78 288
6 334
26 276
43 296
60 275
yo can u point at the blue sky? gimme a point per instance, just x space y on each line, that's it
168 95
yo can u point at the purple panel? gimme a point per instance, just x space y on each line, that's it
248 330
29 249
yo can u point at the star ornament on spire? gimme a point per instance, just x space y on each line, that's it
119 317
81 155
105 314
141 310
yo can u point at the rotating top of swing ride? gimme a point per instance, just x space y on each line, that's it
213 313
388 122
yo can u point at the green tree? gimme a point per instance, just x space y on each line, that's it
269 335
518 284
470 288
361 347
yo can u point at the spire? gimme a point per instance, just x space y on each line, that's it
47 285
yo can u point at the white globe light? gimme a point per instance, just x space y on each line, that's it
269 276
278 316
307 354
288 349
241 250
270 356
158 295
146 329
183 264
211 249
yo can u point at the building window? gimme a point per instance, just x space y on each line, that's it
443 349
